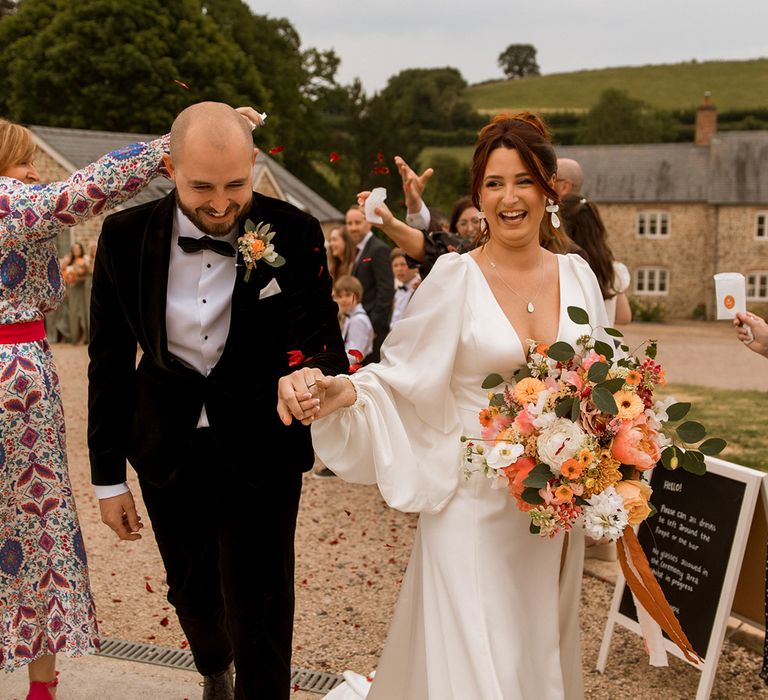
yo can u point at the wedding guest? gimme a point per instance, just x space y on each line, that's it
372 267
356 329
570 177
57 320
89 259
45 596
465 219
341 252
486 609
220 335
75 273
753 332
584 225
406 280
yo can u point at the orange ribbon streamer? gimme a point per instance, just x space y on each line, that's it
648 592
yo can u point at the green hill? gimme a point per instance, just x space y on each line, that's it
735 85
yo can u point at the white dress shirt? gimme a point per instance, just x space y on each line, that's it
403 293
357 333
362 245
198 309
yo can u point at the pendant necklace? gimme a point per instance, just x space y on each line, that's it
529 306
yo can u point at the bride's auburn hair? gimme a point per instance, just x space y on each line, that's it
526 133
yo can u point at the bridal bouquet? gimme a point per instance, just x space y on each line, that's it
578 429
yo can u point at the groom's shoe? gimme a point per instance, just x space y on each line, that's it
220 686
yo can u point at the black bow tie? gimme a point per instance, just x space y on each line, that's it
402 288
195 245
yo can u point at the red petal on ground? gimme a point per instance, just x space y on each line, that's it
276 149
184 85
164 622
148 587
184 644
347 512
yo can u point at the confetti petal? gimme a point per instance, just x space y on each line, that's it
334 157
164 622
149 588
184 85
276 149
295 357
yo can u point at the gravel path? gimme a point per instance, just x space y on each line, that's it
352 551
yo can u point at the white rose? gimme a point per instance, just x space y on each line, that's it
559 441
503 454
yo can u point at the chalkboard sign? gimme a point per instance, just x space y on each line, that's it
695 546
688 544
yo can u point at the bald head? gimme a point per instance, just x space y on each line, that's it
211 124
570 177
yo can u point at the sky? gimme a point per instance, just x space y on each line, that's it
376 40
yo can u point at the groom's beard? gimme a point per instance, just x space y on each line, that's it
209 228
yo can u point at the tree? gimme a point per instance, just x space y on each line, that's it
112 64
518 61
618 118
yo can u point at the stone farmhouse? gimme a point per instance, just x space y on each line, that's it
678 213
62 151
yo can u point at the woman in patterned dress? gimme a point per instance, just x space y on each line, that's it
46 605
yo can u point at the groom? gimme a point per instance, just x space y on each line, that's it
220 472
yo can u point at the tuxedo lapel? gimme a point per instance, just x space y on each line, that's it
153 277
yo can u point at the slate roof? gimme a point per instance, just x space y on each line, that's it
78 147
733 170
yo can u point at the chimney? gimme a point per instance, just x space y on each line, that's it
706 122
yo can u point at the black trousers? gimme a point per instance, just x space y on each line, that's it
229 558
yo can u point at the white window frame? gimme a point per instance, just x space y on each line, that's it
649 278
757 288
761 226
651 224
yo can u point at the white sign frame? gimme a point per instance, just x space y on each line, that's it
755 483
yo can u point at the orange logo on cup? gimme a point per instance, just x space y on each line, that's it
729 302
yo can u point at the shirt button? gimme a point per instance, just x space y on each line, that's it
208 265
205 337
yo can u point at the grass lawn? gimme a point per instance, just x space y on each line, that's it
733 84
739 417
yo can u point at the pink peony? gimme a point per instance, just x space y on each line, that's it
574 380
524 422
636 443
590 358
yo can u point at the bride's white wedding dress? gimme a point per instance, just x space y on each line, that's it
485 612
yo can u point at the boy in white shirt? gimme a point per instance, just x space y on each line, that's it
356 329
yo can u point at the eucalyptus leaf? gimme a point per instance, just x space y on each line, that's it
534 529
580 501
560 351
532 496
653 510
613 385
522 373
691 431
598 372
575 409
491 381
497 400
564 407
650 350
279 261
614 332
667 455
603 399
249 227
535 481
693 465
604 349
678 410
578 315
713 446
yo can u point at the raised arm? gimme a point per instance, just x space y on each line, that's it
38 212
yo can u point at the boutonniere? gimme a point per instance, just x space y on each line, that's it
256 244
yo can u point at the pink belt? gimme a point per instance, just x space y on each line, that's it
11 333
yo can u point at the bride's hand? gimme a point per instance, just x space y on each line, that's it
299 395
338 392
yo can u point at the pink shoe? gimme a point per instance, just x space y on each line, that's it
38 690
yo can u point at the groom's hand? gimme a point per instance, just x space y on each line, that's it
119 512
299 395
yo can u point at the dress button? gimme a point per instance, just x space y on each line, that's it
204 301
208 265
205 338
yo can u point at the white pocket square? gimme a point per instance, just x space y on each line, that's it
270 290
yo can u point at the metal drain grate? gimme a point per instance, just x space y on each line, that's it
302 679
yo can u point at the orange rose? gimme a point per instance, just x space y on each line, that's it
636 495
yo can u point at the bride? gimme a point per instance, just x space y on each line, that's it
487 611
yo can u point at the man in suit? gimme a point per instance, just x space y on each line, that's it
373 268
220 471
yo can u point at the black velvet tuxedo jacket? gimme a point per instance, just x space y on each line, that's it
148 414
374 270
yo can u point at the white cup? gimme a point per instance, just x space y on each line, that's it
730 294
